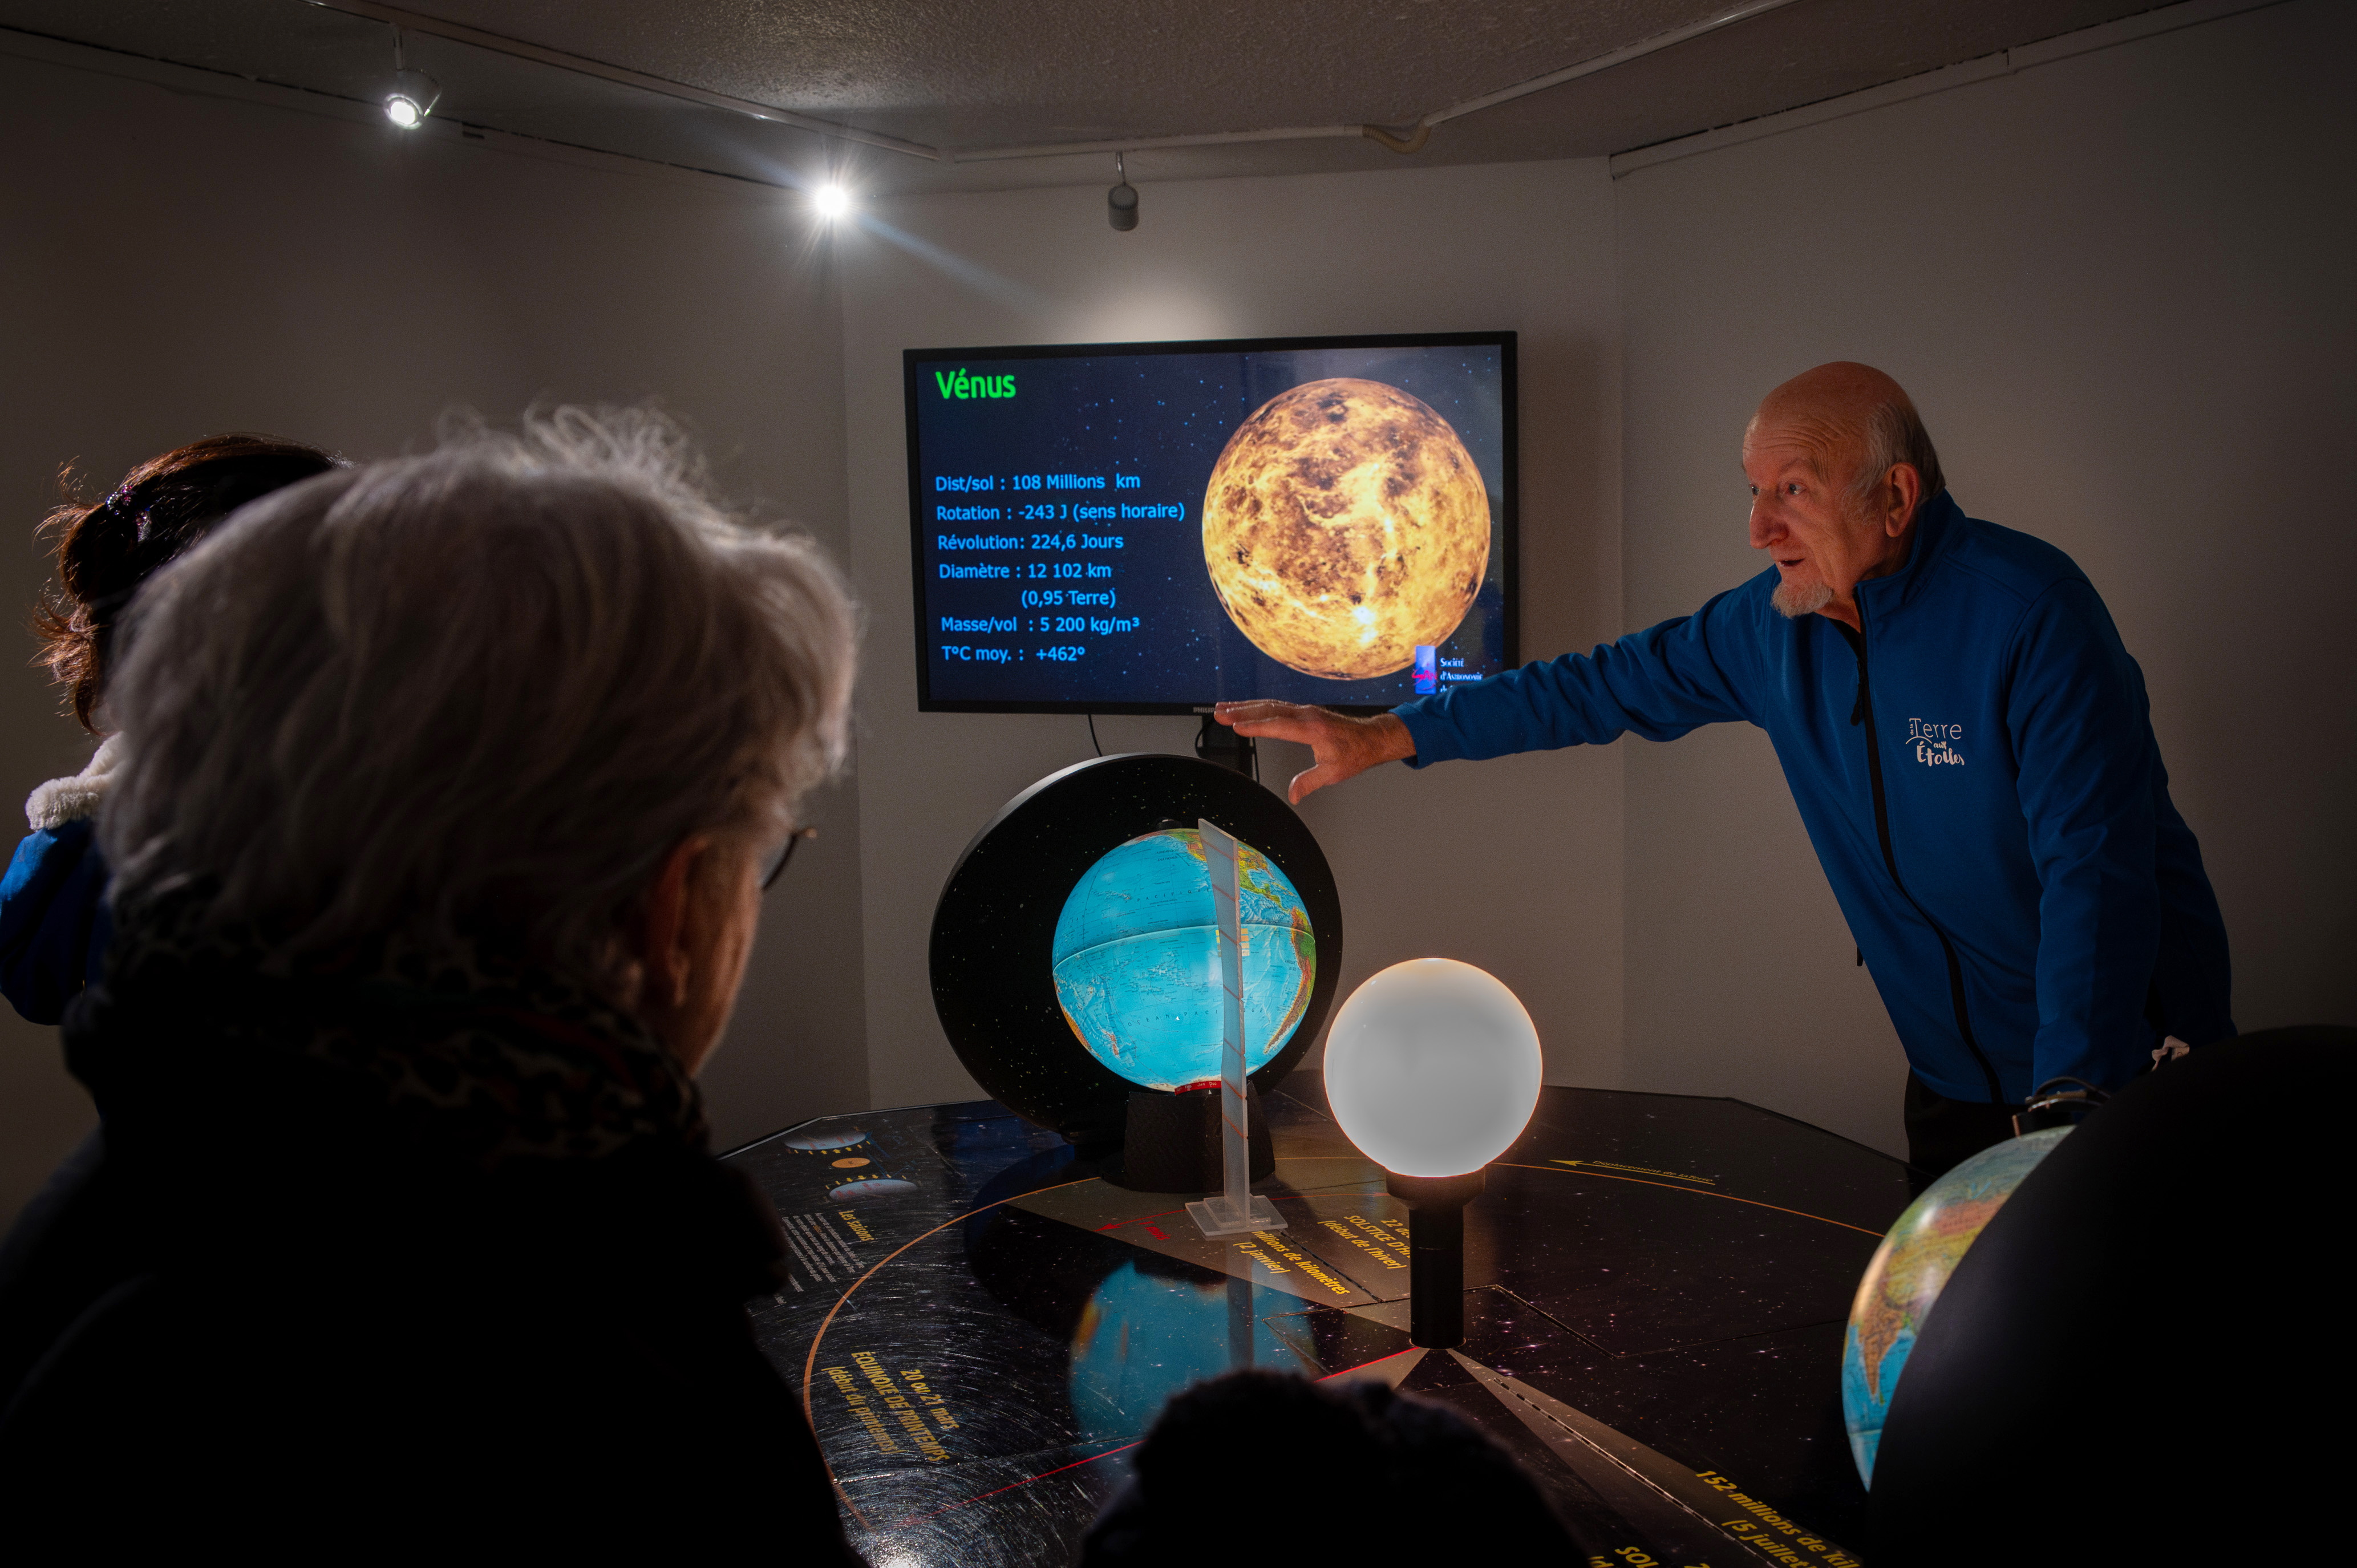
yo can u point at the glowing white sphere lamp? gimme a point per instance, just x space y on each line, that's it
1432 1069
831 201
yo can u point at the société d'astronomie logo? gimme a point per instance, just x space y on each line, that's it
959 385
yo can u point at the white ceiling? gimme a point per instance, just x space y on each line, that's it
966 78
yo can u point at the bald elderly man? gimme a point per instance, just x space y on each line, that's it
1967 740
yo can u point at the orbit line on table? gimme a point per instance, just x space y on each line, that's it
810 1363
1641 1181
1516 1164
1136 1442
964 1502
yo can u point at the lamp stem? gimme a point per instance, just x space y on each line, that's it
1436 1254
1435 1277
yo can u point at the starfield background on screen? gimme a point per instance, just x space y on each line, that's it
1146 528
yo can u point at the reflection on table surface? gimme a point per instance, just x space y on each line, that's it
1657 1289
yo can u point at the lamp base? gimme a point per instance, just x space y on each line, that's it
1436 1253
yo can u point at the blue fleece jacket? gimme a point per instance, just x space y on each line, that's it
53 921
1978 774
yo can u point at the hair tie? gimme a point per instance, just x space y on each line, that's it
114 505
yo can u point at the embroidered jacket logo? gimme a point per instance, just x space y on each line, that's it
1935 745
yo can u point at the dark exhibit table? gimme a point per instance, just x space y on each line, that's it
982 1328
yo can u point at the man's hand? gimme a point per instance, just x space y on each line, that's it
1343 746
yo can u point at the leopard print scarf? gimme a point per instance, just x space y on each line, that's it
473 1051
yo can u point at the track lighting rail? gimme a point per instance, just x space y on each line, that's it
1405 139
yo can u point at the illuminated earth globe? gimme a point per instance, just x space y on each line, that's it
1138 961
1911 1269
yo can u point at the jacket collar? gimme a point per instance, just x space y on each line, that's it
1937 530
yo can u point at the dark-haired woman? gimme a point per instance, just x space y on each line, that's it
53 917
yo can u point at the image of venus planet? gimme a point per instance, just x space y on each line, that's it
1345 523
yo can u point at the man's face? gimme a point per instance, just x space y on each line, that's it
1802 514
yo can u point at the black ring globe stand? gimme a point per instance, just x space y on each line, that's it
993 948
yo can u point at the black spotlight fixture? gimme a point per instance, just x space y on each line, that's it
414 93
1121 201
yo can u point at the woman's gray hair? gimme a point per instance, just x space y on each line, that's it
485 691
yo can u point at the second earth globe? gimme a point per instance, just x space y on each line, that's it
1138 961
1911 1269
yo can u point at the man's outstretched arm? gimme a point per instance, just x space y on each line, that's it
1659 682
1342 746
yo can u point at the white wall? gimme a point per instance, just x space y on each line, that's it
175 264
2119 287
1515 865
2115 282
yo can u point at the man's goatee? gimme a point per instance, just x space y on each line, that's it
1797 599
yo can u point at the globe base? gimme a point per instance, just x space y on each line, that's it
1220 1215
1172 1142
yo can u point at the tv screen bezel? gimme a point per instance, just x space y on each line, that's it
1507 537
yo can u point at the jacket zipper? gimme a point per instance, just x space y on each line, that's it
1863 712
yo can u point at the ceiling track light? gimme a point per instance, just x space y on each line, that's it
1121 201
831 202
414 93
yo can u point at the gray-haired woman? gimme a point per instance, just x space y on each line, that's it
438 850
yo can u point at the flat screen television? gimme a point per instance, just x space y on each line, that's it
1149 528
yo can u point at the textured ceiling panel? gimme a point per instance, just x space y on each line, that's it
953 72
968 77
